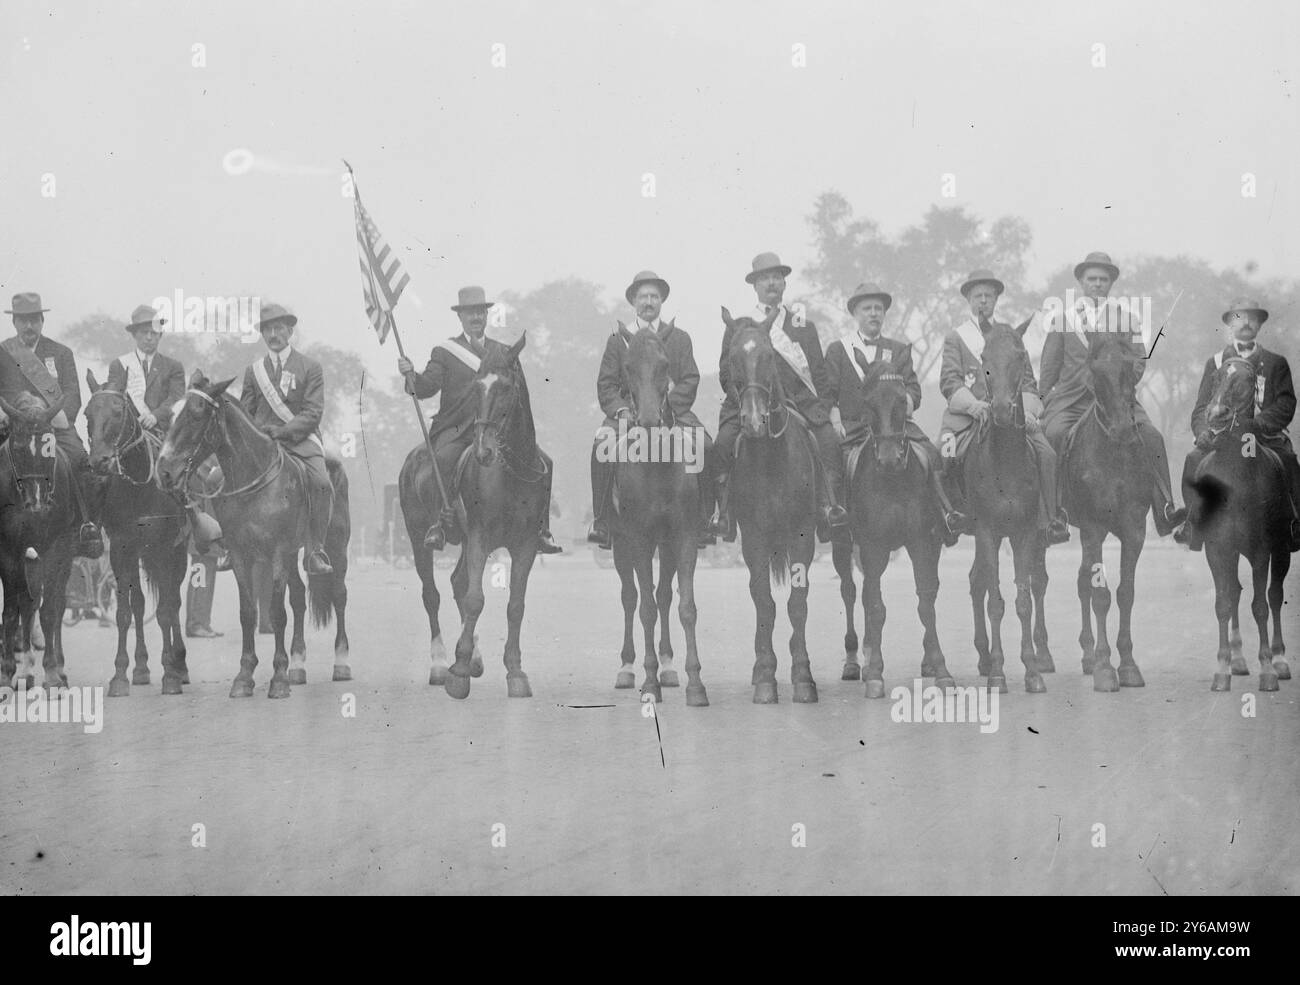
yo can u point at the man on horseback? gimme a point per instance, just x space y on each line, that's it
803 378
961 380
1067 382
284 394
46 370
847 361
152 380
452 368
646 294
1275 404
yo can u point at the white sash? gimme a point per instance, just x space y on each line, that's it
465 355
791 351
273 398
868 350
971 337
135 381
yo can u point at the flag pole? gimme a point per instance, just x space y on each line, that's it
424 430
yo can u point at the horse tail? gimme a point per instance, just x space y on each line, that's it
322 589
780 564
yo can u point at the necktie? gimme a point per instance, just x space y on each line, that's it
861 360
144 367
277 370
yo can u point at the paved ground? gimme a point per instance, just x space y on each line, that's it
408 795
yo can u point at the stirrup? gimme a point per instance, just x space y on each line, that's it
89 542
435 538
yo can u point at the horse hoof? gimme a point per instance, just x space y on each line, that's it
998 681
1104 679
185 677
696 696
118 688
517 687
171 685
1034 684
1267 681
984 667
241 688
668 678
1222 682
927 670
945 681
626 679
1086 667
1283 670
476 666
457 687
140 675
342 672
1046 665
765 693
852 672
805 692
1239 668
279 688
875 687
438 675
297 675
1130 676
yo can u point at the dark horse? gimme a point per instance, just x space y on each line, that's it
657 510
39 519
1108 494
261 507
1002 487
146 527
774 502
891 505
1243 512
501 504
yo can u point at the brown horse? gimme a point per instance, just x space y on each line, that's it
891 505
774 502
146 528
1108 494
658 511
262 509
1243 512
1002 487
502 502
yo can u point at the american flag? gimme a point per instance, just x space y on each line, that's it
382 276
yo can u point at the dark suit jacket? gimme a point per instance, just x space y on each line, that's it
683 373
162 388
13 382
847 392
1064 375
306 399
959 365
448 375
815 407
1278 406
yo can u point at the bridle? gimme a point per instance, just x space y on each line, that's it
1234 419
775 399
198 455
871 435
534 473
18 479
138 438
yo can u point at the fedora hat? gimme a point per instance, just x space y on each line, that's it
1247 305
646 277
1096 259
864 291
271 313
981 277
763 263
26 304
146 316
471 297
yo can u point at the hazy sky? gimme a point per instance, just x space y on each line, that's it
512 176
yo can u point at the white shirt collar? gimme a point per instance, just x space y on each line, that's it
141 358
870 341
654 325
762 311
283 355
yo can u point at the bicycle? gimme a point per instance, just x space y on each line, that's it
91 586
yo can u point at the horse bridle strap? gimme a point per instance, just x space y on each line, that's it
140 437
221 492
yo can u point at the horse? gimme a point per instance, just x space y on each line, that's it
1243 492
1103 474
262 509
498 483
891 505
1003 490
657 512
774 501
146 527
39 520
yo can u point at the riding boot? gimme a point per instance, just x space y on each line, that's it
319 505
724 526
1164 508
955 523
602 482
89 542
545 541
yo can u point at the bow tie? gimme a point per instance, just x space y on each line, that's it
1245 348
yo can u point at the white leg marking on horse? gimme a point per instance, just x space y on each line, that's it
438 652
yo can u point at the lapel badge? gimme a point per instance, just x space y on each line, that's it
50 367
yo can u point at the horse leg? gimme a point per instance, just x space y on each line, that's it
53 603
8 666
1223 568
1239 666
242 686
627 580
842 558
687 553
342 648
874 561
473 556
280 561
1259 564
801 677
298 603
1103 671
758 559
429 595
140 675
996 607
459 590
1281 565
1130 548
171 575
119 686
1022 555
1087 642
924 554
1043 655
978 581
664 598
643 553
521 563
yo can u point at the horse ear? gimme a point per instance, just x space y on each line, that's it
217 389
91 381
517 348
198 380
726 317
1023 327
621 326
